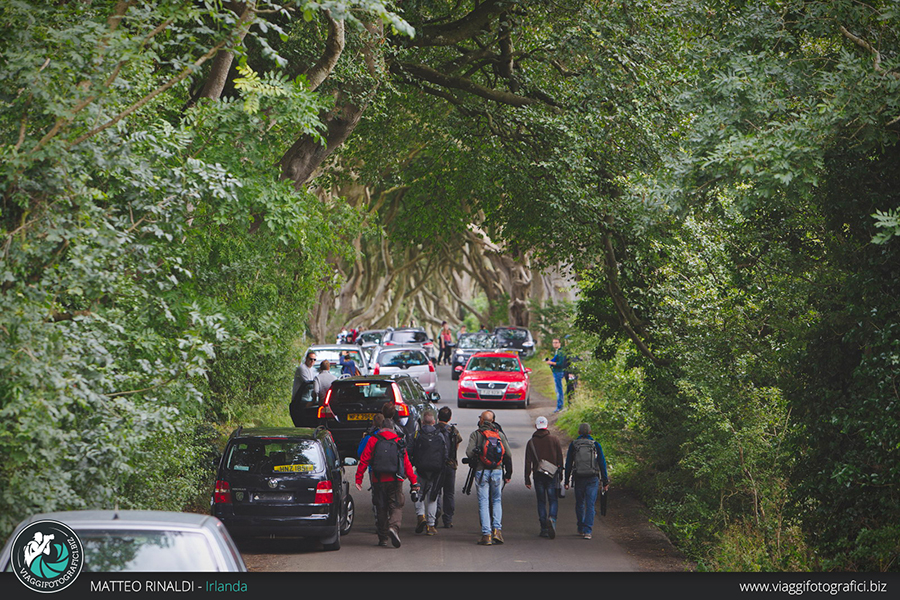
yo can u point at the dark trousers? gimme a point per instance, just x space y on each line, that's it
444 355
447 497
388 499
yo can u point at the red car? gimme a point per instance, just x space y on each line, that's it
493 377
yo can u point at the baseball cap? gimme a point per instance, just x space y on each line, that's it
541 422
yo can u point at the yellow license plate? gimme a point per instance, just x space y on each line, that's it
292 468
360 416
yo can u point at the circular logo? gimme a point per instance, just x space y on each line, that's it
47 556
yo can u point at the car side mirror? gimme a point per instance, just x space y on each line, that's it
350 462
435 397
458 369
528 369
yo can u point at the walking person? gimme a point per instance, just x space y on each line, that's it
386 453
586 466
323 380
558 364
446 504
489 454
544 461
429 453
445 339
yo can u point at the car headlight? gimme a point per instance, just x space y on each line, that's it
516 386
527 344
459 352
467 384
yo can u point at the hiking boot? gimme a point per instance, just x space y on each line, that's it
448 525
484 540
383 543
587 536
497 536
395 537
430 530
421 523
437 515
551 528
544 533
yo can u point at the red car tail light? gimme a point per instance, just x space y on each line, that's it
431 366
222 493
324 493
377 369
402 408
325 409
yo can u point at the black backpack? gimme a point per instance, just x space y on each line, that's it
430 449
387 456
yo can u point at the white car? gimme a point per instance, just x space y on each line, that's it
410 360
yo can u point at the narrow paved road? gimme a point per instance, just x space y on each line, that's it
455 550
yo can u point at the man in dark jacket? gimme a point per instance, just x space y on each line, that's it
544 460
429 457
586 464
490 477
446 505
387 485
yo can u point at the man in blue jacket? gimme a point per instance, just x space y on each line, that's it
586 464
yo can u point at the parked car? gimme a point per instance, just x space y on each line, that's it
467 346
515 338
143 540
411 360
351 404
370 336
494 377
410 336
284 482
332 352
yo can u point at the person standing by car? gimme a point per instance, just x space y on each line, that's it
429 458
303 393
390 466
544 460
348 365
586 464
558 364
323 380
304 373
489 454
445 339
446 504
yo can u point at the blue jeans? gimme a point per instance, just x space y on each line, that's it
586 489
488 484
545 488
558 377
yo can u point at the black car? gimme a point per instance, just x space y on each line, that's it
410 336
351 404
515 338
469 344
284 482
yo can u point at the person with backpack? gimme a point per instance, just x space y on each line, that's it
446 504
430 448
489 455
544 460
586 465
385 452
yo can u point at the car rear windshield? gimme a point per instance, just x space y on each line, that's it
404 358
374 337
493 363
140 550
333 356
409 337
476 341
515 335
275 455
367 393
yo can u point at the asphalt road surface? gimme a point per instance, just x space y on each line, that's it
456 550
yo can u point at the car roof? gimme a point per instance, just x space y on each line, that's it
387 377
392 347
511 327
497 354
307 433
315 347
126 518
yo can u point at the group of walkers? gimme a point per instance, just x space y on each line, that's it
429 462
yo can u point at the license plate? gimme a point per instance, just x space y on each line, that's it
272 497
492 392
360 416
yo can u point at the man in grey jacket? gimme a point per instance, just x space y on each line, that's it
490 456
544 460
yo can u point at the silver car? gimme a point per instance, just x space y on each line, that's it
410 360
332 352
144 540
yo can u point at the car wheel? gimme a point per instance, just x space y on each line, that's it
454 375
333 543
521 404
461 404
347 522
